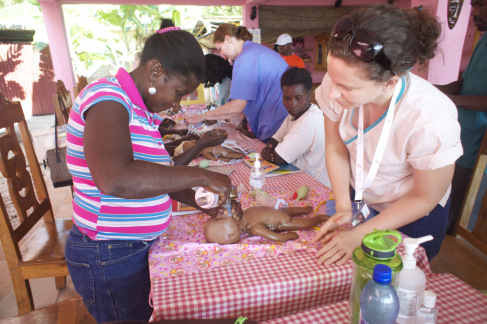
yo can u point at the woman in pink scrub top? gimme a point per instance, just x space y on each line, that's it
390 135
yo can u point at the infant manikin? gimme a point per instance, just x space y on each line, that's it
261 221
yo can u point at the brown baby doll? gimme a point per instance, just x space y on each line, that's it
261 221
213 153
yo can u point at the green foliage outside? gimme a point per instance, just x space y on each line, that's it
103 38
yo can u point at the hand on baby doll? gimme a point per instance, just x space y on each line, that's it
209 139
222 212
211 148
213 137
261 221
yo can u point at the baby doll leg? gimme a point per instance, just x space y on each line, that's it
263 231
293 211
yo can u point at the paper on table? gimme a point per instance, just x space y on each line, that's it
266 166
283 169
221 169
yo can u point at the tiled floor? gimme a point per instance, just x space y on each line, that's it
456 256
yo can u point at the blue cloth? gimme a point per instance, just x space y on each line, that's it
473 123
223 91
112 276
433 224
257 78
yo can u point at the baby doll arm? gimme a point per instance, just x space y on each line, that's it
304 223
261 230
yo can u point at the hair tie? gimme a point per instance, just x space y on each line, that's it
163 30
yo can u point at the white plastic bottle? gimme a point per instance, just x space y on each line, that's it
427 312
412 282
257 175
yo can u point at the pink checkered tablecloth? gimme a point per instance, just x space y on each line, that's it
457 303
256 278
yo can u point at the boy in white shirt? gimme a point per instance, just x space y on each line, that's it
301 138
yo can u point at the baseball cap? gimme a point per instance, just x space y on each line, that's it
284 39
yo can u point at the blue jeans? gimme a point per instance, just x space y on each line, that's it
112 276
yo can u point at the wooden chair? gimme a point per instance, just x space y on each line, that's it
71 311
478 236
42 252
82 83
62 103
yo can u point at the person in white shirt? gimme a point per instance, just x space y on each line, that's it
301 138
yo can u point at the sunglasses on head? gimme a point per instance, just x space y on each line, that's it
363 43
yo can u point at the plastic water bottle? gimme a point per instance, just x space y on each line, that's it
378 302
257 175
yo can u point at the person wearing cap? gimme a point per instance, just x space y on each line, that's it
284 47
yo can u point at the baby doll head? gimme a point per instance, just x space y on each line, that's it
222 230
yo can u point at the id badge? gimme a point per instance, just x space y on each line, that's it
361 214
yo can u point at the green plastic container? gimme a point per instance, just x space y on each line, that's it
377 247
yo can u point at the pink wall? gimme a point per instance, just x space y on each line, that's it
58 42
442 69
445 66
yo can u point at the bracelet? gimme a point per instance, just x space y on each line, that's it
241 320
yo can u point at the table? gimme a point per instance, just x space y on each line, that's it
257 278
456 301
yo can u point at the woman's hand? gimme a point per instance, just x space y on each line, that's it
219 184
213 138
195 119
338 246
333 247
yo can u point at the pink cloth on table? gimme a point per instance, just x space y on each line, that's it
182 248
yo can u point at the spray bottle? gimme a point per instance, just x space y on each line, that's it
257 175
412 282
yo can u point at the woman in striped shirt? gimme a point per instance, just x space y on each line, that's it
123 178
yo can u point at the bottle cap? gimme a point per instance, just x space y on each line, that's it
382 273
381 244
429 299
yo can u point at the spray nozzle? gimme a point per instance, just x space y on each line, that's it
411 244
257 161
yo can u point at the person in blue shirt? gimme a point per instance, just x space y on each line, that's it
469 93
255 90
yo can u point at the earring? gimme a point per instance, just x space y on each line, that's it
152 90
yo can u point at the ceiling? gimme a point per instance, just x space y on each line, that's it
297 21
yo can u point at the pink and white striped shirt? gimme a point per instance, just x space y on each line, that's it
104 217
